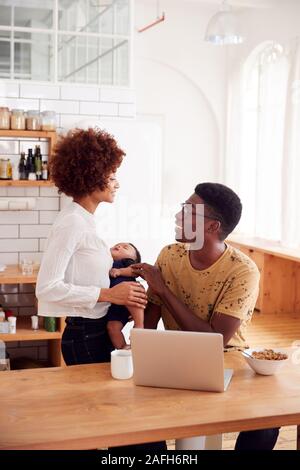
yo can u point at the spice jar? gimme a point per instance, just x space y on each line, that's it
48 121
5 169
33 120
17 120
4 118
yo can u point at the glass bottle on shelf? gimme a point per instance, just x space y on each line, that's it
17 120
22 167
38 163
45 170
30 167
9 170
15 172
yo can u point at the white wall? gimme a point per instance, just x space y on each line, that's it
23 233
181 80
279 22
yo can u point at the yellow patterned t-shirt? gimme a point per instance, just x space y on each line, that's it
230 287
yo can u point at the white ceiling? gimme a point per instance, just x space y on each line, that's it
239 3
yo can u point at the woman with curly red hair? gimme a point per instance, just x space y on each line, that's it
73 279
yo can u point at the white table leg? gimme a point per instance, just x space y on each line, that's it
213 442
190 443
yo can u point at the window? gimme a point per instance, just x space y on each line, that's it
264 92
78 41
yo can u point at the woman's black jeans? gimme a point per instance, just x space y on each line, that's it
85 341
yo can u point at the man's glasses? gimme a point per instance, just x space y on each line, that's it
188 208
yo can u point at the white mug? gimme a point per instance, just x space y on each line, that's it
121 364
12 324
34 322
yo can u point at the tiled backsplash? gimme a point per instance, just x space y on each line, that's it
23 233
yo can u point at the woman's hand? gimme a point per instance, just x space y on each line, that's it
152 276
131 294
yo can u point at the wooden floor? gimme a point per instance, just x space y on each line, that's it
286 440
273 330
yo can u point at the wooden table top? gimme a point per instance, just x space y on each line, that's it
82 407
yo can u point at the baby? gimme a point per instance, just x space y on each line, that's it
124 254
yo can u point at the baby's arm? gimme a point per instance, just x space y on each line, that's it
126 272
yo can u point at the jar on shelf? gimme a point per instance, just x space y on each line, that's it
50 324
48 120
17 119
33 120
5 169
4 118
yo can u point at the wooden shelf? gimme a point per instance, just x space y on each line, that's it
49 135
13 275
25 183
25 333
25 133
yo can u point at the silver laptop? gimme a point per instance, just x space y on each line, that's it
179 359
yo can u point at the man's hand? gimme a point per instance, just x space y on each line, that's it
152 276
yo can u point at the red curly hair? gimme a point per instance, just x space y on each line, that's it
83 160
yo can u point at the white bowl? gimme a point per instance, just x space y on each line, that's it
264 366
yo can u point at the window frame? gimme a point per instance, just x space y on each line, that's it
54 34
255 64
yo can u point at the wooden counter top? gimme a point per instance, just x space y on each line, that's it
82 407
13 275
266 246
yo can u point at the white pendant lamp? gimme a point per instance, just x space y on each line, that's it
223 28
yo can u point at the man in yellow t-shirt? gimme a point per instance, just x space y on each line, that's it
228 287
209 287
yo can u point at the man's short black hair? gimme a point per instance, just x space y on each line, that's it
222 203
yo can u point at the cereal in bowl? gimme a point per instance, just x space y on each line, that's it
269 355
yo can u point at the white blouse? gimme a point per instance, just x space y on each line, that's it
74 267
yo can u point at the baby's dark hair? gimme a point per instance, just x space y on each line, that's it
138 258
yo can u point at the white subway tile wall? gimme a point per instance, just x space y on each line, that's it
23 233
